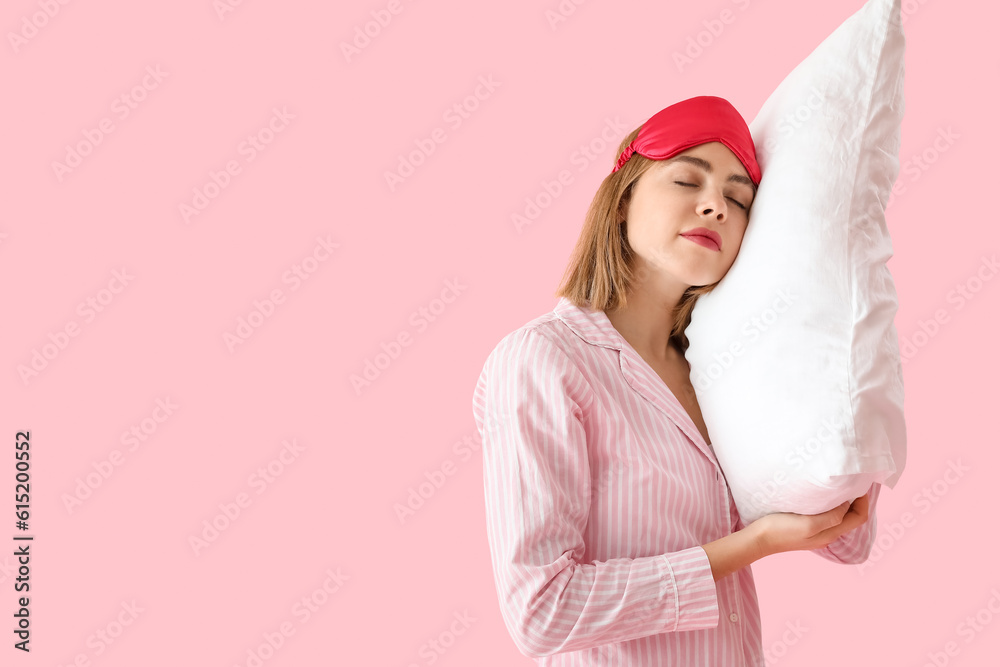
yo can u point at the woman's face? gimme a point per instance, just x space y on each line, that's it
703 187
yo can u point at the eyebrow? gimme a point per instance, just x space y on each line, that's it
707 166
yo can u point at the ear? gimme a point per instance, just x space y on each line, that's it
623 204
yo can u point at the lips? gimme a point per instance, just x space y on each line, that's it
705 237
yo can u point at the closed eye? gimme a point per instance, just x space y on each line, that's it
692 185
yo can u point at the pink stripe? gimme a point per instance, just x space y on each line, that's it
599 493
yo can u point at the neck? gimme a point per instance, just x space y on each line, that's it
647 320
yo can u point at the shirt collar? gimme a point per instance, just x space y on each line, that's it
590 324
594 327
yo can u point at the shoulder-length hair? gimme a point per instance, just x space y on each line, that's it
602 268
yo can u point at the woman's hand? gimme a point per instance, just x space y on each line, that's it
788 531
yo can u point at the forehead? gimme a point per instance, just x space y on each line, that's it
715 152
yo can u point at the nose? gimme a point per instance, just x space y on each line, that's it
714 204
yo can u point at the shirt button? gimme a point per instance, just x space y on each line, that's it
734 617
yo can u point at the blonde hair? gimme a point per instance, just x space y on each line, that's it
601 270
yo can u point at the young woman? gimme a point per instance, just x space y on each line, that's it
614 537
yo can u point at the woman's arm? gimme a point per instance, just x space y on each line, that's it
776 533
734 551
528 406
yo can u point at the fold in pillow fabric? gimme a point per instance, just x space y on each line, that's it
794 356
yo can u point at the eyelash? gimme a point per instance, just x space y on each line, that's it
730 198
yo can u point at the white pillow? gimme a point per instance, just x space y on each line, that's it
794 356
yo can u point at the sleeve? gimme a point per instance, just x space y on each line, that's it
854 546
529 405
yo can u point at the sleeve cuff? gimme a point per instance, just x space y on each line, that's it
689 586
855 546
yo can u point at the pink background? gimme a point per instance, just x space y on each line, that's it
331 507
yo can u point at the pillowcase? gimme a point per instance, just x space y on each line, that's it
794 356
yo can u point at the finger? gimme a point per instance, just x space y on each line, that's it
836 515
860 507
858 514
829 519
852 521
824 537
838 510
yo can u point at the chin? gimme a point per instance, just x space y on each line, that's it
701 278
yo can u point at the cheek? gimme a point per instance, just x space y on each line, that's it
644 228
638 235
740 233
733 241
